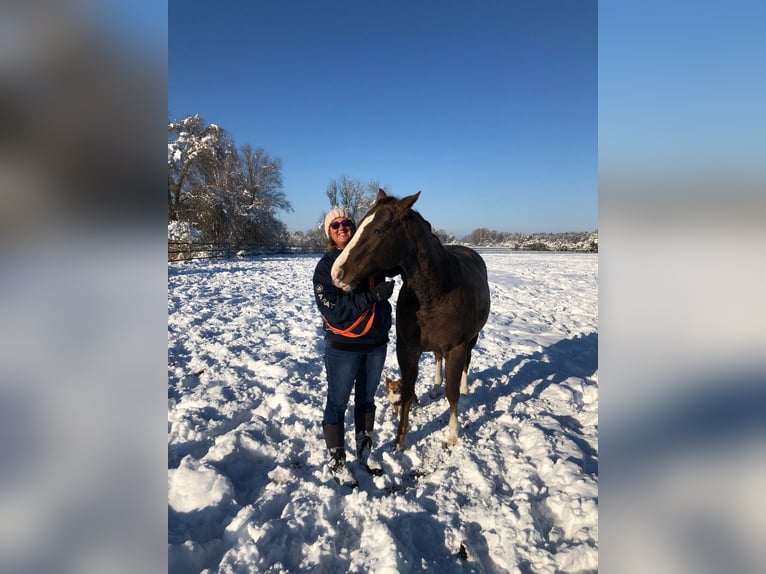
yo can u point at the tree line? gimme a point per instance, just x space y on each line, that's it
567 241
220 194
223 194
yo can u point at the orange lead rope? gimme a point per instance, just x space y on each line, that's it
348 332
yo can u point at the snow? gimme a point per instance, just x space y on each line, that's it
194 486
247 487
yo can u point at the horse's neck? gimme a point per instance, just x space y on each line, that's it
429 270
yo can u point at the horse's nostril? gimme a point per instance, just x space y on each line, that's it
339 273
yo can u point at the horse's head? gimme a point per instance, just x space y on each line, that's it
378 244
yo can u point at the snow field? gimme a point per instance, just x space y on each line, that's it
247 487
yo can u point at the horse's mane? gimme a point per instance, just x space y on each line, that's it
428 229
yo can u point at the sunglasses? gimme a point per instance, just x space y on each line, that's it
337 224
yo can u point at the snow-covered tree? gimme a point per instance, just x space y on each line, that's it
229 195
194 151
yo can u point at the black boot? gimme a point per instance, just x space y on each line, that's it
333 438
363 425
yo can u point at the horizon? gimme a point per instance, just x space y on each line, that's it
463 236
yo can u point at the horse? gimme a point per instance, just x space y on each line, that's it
443 303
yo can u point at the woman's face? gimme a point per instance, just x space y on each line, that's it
340 231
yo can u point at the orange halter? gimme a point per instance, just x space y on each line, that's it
348 331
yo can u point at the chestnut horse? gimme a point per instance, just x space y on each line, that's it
443 302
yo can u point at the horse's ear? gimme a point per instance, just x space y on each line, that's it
381 195
408 202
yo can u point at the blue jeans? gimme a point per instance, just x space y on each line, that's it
359 370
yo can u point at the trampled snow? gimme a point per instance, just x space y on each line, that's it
247 486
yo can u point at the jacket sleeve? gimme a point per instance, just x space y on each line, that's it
339 307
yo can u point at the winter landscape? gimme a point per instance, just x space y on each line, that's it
247 486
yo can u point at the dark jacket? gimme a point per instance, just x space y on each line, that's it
342 308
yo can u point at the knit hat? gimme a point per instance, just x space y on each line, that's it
334 213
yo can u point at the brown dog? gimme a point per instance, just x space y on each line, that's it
394 394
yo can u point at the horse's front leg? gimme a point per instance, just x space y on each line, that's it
454 371
408 365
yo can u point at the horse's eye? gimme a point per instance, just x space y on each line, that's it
378 231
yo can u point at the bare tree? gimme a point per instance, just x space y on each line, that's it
260 179
258 192
443 236
353 195
369 197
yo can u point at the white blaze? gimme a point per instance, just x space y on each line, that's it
345 253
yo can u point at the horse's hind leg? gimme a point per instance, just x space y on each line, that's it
436 390
464 375
454 369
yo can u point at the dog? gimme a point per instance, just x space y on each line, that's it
394 395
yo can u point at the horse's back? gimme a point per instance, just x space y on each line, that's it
470 261
474 273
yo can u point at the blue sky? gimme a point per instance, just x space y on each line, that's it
489 109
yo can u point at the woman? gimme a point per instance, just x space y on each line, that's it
356 325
